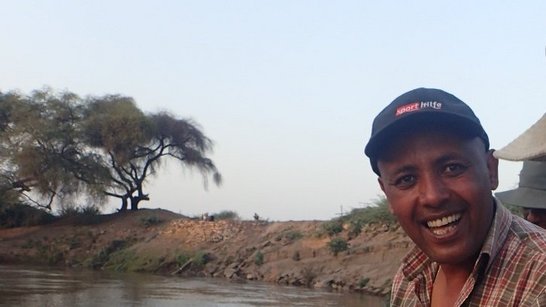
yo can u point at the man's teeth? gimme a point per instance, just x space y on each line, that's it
444 221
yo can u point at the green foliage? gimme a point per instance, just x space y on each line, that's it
289 235
198 259
226 215
293 235
84 215
355 227
337 245
182 258
19 215
259 258
376 213
103 256
332 227
363 282
61 147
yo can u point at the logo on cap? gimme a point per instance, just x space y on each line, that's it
416 106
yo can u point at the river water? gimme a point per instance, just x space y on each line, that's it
39 286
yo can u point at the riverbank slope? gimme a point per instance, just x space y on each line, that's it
295 253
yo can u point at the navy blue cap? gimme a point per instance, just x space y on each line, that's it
419 106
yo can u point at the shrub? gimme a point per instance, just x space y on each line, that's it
337 245
17 215
84 215
363 282
333 227
259 258
182 258
200 259
355 227
375 213
102 257
293 235
197 260
226 215
90 210
68 210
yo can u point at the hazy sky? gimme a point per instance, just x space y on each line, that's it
286 89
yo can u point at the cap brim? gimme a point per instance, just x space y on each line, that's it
530 145
524 197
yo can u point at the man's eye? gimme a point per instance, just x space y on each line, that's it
405 181
454 169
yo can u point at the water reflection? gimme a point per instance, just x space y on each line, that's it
31 286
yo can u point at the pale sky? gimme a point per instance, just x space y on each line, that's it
286 89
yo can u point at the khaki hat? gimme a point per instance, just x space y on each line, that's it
530 145
531 192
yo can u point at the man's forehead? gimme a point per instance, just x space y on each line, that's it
429 141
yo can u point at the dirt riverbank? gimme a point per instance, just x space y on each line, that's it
162 242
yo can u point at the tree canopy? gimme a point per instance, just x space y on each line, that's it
58 146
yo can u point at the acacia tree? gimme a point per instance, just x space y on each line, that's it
42 150
59 145
134 145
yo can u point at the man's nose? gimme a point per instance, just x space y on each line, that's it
432 190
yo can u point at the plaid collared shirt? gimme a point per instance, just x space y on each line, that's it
510 270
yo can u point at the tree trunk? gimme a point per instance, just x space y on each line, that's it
134 203
123 204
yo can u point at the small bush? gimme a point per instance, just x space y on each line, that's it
363 282
355 227
200 259
68 210
182 258
90 210
17 215
293 235
337 245
375 213
102 257
259 258
226 215
84 215
333 227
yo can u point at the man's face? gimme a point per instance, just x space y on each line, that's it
535 216
439 188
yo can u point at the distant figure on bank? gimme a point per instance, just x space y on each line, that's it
530 194
433 162
207 217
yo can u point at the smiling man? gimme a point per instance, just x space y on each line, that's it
434 165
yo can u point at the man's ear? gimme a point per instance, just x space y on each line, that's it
493 167
381 184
